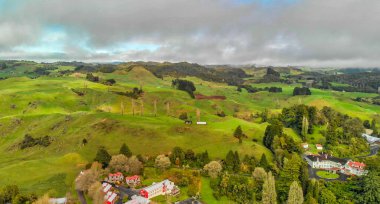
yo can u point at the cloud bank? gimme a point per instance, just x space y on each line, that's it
342 33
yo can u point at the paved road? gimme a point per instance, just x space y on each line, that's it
373 150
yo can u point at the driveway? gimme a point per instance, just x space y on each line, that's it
313 174
373 150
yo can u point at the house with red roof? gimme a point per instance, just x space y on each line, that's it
354 168
116 177
133 180
165 187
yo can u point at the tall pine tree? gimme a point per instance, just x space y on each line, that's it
124 149
103 157
238 133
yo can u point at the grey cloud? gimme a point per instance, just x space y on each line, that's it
309 32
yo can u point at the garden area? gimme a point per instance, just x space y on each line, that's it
327 175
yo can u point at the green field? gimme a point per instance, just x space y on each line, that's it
327 175
47 106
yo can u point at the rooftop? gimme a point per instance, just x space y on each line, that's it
323 157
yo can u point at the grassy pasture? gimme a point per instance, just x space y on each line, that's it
48 106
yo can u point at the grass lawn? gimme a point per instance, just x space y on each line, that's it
327 175
206 193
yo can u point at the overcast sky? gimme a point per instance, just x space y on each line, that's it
344 33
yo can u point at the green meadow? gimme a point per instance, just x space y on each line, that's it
48 106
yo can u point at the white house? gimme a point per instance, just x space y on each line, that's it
165 187
57 200
111 198
319 147
133 180
354 168
135 199
325 162
201 123
118 176
330 163
106 187
305 145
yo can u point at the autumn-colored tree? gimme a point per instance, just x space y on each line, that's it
43 200
134 164
213 169
162 162
259 174
96 193
119 163
86 178
295 194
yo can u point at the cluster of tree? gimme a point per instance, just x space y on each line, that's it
374 100
185 178
179 157
29 141
363 81
3 66
301 118
301 91
78 92
83 67
251 89
275 89
271 76
184 85
231 76
92 78
12 194
135 93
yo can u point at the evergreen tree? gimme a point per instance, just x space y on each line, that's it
295 194
103 157
290 173
269 190
373 127
366 124
238 133
327 197
264 162
236 166
371 188
124 149
230 161
177 156
305 127
3 65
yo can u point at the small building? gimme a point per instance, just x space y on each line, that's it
305 145
111 198
133 180
201 123
116 177
165 187
371 139
106 187
58 200
319 147
188 122
138 200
